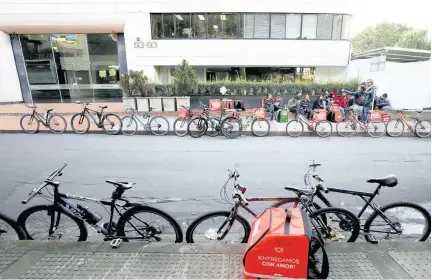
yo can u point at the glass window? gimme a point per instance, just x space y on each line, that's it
249 21
222 26
293 26
324 28
277 26
199 26
156 26
168 26
104 62
346 27
262 26
183 26
309 27
337 27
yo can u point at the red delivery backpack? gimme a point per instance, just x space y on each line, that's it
282 245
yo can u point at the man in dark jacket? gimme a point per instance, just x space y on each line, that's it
369 96
359 98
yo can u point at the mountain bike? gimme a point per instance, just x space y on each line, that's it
295 127
110 123
62 219
10 230
260 127
396 126
231 227
348 127
157 125
393 219
54 122
180 124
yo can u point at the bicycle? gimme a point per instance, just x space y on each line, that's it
110 123
130 226
322 128
54 122
348 127
157 125
181 122
260 127
397 126
10 230
392 225
349 224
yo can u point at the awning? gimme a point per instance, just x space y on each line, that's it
395 54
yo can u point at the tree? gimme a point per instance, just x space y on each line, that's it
388 34
135 83
415 39
185 79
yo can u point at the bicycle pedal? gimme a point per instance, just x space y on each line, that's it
372 239
116 243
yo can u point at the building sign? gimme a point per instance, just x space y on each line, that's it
141 45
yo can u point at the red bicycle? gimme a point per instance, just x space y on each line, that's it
181 123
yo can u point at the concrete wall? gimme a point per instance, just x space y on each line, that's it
10 90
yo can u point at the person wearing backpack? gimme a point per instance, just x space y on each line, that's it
359 98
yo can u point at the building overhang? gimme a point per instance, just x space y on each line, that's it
395 54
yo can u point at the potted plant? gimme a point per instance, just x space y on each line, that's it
185 83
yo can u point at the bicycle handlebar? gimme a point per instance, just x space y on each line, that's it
323 187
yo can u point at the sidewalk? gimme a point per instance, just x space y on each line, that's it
67 260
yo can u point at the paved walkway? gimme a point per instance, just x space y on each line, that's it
67 260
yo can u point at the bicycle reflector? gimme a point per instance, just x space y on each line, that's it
241 188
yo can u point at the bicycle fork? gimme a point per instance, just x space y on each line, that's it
230 221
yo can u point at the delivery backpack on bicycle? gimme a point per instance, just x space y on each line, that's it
283 245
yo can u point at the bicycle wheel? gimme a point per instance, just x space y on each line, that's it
205 229
197 127
231 127
412 220
376 129
294 128
80 123
422 129
395 128
323 129
129 126
214 127
145 223
29 124
10 230
159 126
111 124
341 224
50 222
346 129
260 127
180 126
57 124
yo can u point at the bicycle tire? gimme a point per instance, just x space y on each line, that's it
63 120
340 128
127 216
84 119
18 231
290 133
386 207
202 126
22 220
161 122
428 124
225 132
191 229
112 116
183 122
321 123
375 124
34 119
130 122
354 225
258 120
394 123
213 128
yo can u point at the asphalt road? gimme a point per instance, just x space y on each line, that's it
194 170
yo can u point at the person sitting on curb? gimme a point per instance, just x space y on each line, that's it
293 103
269 105
382 103
304 107
320 103
358 101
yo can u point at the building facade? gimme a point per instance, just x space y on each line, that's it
62 51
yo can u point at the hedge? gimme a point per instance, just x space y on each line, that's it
258 88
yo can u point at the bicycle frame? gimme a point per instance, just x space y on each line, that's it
97 121
40 118
307 122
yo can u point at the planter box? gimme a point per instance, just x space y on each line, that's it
168 104
129 102
182 101
156 103
142 103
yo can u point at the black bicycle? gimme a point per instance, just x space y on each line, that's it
10 230
54 122
396 219
62 220
110 123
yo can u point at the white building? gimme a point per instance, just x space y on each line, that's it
60 50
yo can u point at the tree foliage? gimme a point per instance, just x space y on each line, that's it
388 34
185 79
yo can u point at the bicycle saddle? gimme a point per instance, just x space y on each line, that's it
302 191
151 108
387 181
103 107
122 185
48 110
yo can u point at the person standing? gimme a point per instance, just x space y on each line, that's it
369 96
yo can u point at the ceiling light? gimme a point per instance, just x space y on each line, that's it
215 27
179 17
223 17
201 17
